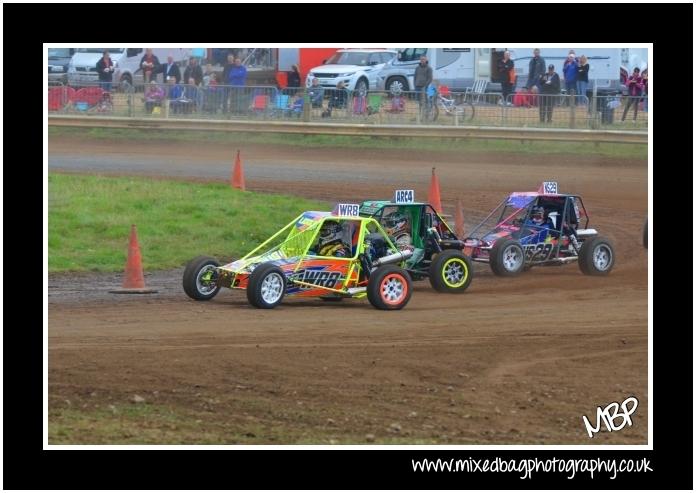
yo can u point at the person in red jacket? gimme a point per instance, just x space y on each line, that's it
635 91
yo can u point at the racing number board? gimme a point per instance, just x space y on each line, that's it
404 196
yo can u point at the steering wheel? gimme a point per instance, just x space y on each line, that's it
517 221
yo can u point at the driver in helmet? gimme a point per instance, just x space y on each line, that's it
537 226
398 227
331 241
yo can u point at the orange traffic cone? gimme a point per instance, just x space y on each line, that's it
459 220
434 193
238 174
133 281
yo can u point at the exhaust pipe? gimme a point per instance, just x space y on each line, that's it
393 258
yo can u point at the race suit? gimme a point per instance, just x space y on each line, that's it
403 242
533 233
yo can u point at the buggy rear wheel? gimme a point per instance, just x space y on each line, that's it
200 278
451 272
389 288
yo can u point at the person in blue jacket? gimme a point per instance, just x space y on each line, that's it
570 73
237 79
536 228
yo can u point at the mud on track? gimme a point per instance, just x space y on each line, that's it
509 361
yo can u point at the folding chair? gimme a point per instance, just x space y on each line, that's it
259 104
282 103
474 92
359 105
374 103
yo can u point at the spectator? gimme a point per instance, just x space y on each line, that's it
150 65
338 99
297 106
174 93
227 68
171 69
208 74
316 94
212 94
644 74
570 73
583 79
182 98
635 90
422 78
550 86
193 72
537 68
506 72
237 79
191 95
154 94
225 80
105 69
294 79
238 74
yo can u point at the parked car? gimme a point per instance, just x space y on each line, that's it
358 69
58 61
82 69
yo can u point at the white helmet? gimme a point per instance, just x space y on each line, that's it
330 231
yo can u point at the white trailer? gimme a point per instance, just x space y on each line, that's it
459 68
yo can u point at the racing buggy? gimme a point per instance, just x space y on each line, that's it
318 254
539 228
417 227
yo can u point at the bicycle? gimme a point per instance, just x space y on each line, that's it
464 110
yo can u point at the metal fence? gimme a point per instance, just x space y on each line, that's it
343 106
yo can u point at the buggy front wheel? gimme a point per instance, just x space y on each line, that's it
450 272
596 256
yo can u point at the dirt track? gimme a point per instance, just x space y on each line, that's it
509 361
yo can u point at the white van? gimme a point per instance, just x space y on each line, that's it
459 68
82 69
